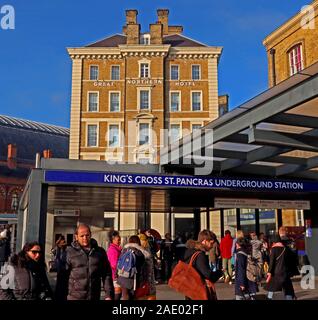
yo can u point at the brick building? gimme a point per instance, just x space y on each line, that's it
127 87
293 46
20 140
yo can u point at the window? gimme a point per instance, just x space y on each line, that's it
145 39
196 127
174 132
175 101
93 101
143 133
114 101
93 73
144 160
196 72
296 59
144 70
144 99
174 72
113 136
115 73
196 101
92 135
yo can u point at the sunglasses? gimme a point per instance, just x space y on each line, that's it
36 251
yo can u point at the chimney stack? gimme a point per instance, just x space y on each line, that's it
132 29
156 33
131 16
12 156
163 19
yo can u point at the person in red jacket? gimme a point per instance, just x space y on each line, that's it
226 254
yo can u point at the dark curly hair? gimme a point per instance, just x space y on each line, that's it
21 259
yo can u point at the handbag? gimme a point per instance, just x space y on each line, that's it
142 291
186 280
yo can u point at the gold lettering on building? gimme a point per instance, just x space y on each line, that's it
185 83
103 83
144 81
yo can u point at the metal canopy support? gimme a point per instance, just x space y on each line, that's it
292 168
294 120
291 140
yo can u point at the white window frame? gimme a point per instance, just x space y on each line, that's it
144 61
97 135
201 100
88 94
111 72
170 101
145 36
196 65
139 89
292 65
138 135
180 132
109 101
90 66
119 134
175 65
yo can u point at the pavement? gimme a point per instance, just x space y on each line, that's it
226 291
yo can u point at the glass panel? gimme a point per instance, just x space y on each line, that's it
144 99
267 222
113 135
247 220
175 132
215 223
143 133
196 127
114 101
93 101
174 72
196 101
92 135
230 221
195 72
144 70
115 73
93 74
175 101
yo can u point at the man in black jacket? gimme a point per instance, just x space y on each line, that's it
204 243
86 266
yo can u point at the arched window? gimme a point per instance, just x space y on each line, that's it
296 62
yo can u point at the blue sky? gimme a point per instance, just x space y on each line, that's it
35 70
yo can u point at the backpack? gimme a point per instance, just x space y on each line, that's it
253 268
126 265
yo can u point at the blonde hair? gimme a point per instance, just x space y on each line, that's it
239 234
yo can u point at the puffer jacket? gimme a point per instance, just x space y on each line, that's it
113 254
86 270
27 282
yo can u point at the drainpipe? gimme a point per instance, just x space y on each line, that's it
272 52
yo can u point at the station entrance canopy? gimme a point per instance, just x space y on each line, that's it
274 135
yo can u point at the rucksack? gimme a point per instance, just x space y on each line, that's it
253 268
126 265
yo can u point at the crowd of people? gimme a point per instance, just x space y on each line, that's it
131 271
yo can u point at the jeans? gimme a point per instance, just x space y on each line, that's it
227 267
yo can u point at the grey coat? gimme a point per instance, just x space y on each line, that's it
86 270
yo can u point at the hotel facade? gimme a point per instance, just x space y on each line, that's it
128 87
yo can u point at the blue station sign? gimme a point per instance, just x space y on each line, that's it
198 182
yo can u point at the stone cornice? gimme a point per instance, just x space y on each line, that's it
290 25
195 52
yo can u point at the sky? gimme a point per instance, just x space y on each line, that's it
35 69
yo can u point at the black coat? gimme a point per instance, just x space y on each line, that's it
86 271
278 268
240 275
30 281
4 249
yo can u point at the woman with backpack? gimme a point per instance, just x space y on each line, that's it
245 289
130 268
113 254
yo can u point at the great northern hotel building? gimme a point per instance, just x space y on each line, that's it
127 87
